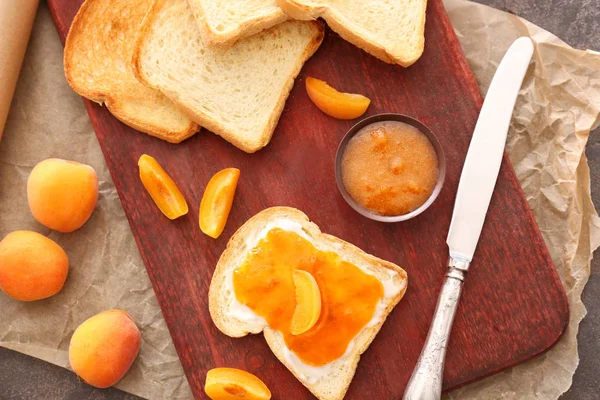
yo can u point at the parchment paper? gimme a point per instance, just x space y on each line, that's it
47 119
557 107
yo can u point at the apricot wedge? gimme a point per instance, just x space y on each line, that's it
217 201
333 103
162 188
308 302
232 384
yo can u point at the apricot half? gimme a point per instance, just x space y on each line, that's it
217 201
333 103
232 384
308 302
32 266
103 348
163 190
62 194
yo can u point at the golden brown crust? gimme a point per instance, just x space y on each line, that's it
233 255
76 27
299 10
171 136
119 95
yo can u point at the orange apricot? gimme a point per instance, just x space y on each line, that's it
32 266
62 194
232 384
103 348
333 103
217 201
163 190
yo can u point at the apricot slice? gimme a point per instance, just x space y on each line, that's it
217 201
162 188
333 103
232 384
308 302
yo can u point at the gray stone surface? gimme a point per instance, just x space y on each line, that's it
575 21
27 378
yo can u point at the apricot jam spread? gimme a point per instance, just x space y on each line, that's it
390 168
349 296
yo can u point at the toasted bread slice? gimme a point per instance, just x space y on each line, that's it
237 93
393 31
336 379
223 23
97 66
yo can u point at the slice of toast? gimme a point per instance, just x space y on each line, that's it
334 384
222 23
393 31
238 92
97 66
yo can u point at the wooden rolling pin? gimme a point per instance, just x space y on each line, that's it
16 21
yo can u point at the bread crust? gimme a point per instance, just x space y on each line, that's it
299 9
249 145
79 38
234 254
247 28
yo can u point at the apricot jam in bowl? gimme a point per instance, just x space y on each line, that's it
390 167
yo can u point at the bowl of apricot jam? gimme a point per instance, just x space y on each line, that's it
390 167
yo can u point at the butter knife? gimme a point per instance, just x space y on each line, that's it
475 188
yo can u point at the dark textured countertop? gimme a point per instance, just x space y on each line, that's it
575 21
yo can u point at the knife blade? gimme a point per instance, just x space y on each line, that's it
482 164
475 188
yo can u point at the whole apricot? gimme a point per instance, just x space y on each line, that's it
62 194
103 348
32 267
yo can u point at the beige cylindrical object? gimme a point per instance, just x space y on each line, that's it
16 21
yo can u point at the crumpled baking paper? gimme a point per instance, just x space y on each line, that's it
47 119
557 107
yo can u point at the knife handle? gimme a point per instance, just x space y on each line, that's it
426 380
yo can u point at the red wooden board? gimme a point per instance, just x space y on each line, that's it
513 305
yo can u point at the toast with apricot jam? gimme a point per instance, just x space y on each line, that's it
253 290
